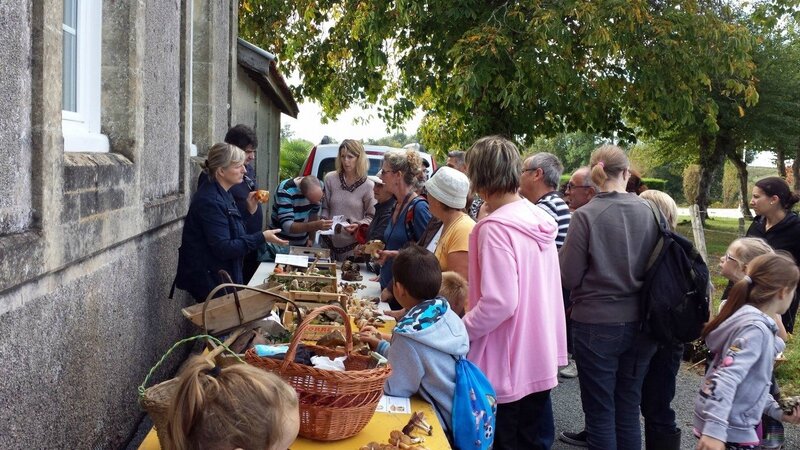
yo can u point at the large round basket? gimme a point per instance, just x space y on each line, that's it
334 405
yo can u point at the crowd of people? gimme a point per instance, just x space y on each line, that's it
488 259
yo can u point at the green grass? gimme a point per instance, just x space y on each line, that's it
788 373
719 234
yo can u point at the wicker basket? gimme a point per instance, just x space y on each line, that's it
333 405
157 399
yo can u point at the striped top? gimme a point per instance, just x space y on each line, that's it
554 205
291 206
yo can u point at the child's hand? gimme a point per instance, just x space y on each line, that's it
709 443
369 339
397 315
794 417
368 329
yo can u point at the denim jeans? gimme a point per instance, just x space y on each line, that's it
526 424
658 390
612 361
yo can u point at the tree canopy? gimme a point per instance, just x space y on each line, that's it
522 69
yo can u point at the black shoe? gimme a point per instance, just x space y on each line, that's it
578 439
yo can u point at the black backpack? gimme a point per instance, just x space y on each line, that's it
674 297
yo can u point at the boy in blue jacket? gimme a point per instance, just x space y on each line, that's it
427 339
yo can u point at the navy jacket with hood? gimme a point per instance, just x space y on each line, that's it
214 238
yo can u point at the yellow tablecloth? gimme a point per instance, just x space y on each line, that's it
377 430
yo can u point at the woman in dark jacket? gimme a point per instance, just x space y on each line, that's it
775 222
214 236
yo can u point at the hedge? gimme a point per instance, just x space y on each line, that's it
652 183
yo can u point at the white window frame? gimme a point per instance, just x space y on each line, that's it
81 128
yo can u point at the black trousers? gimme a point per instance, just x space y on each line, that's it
250 264
526 424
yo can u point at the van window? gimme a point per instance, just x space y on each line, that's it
325 166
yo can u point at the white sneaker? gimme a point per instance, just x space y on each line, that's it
570 370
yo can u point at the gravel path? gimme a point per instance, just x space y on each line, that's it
569 416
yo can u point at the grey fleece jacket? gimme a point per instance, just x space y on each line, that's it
422 354
735 390
604 256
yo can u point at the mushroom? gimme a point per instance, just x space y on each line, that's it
418 421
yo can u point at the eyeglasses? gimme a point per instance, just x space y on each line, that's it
384 171
530 170
571 186
729 257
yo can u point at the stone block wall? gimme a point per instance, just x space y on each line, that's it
88 241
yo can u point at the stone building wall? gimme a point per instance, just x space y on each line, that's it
88 241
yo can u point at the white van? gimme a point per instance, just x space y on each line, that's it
322 159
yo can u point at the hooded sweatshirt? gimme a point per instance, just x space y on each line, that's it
516 319
425 344
735 390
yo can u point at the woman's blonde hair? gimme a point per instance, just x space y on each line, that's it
607 161
768 275
236 406
748 248
221 156
665 204
408 162
356 149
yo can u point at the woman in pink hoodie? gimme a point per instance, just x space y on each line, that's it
516 316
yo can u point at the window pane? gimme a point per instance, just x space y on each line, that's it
69 73
71 13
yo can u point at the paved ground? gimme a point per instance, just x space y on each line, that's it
569 417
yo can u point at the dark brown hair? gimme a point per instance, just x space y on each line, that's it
241 136
779 187
418 271
768 275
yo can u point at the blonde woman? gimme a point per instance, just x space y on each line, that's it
236 407
348 193
214 236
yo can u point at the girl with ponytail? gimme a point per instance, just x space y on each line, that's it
743 341
235 407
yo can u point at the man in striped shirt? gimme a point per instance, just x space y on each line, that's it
541 174
297 204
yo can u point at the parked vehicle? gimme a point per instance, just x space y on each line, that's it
322 159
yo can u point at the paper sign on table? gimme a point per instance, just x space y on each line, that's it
395 405
292 260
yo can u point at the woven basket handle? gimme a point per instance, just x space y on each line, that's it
222 346
236 298
298 333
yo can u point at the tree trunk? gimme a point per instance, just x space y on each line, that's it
796 168
741 170
780 161
711 158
